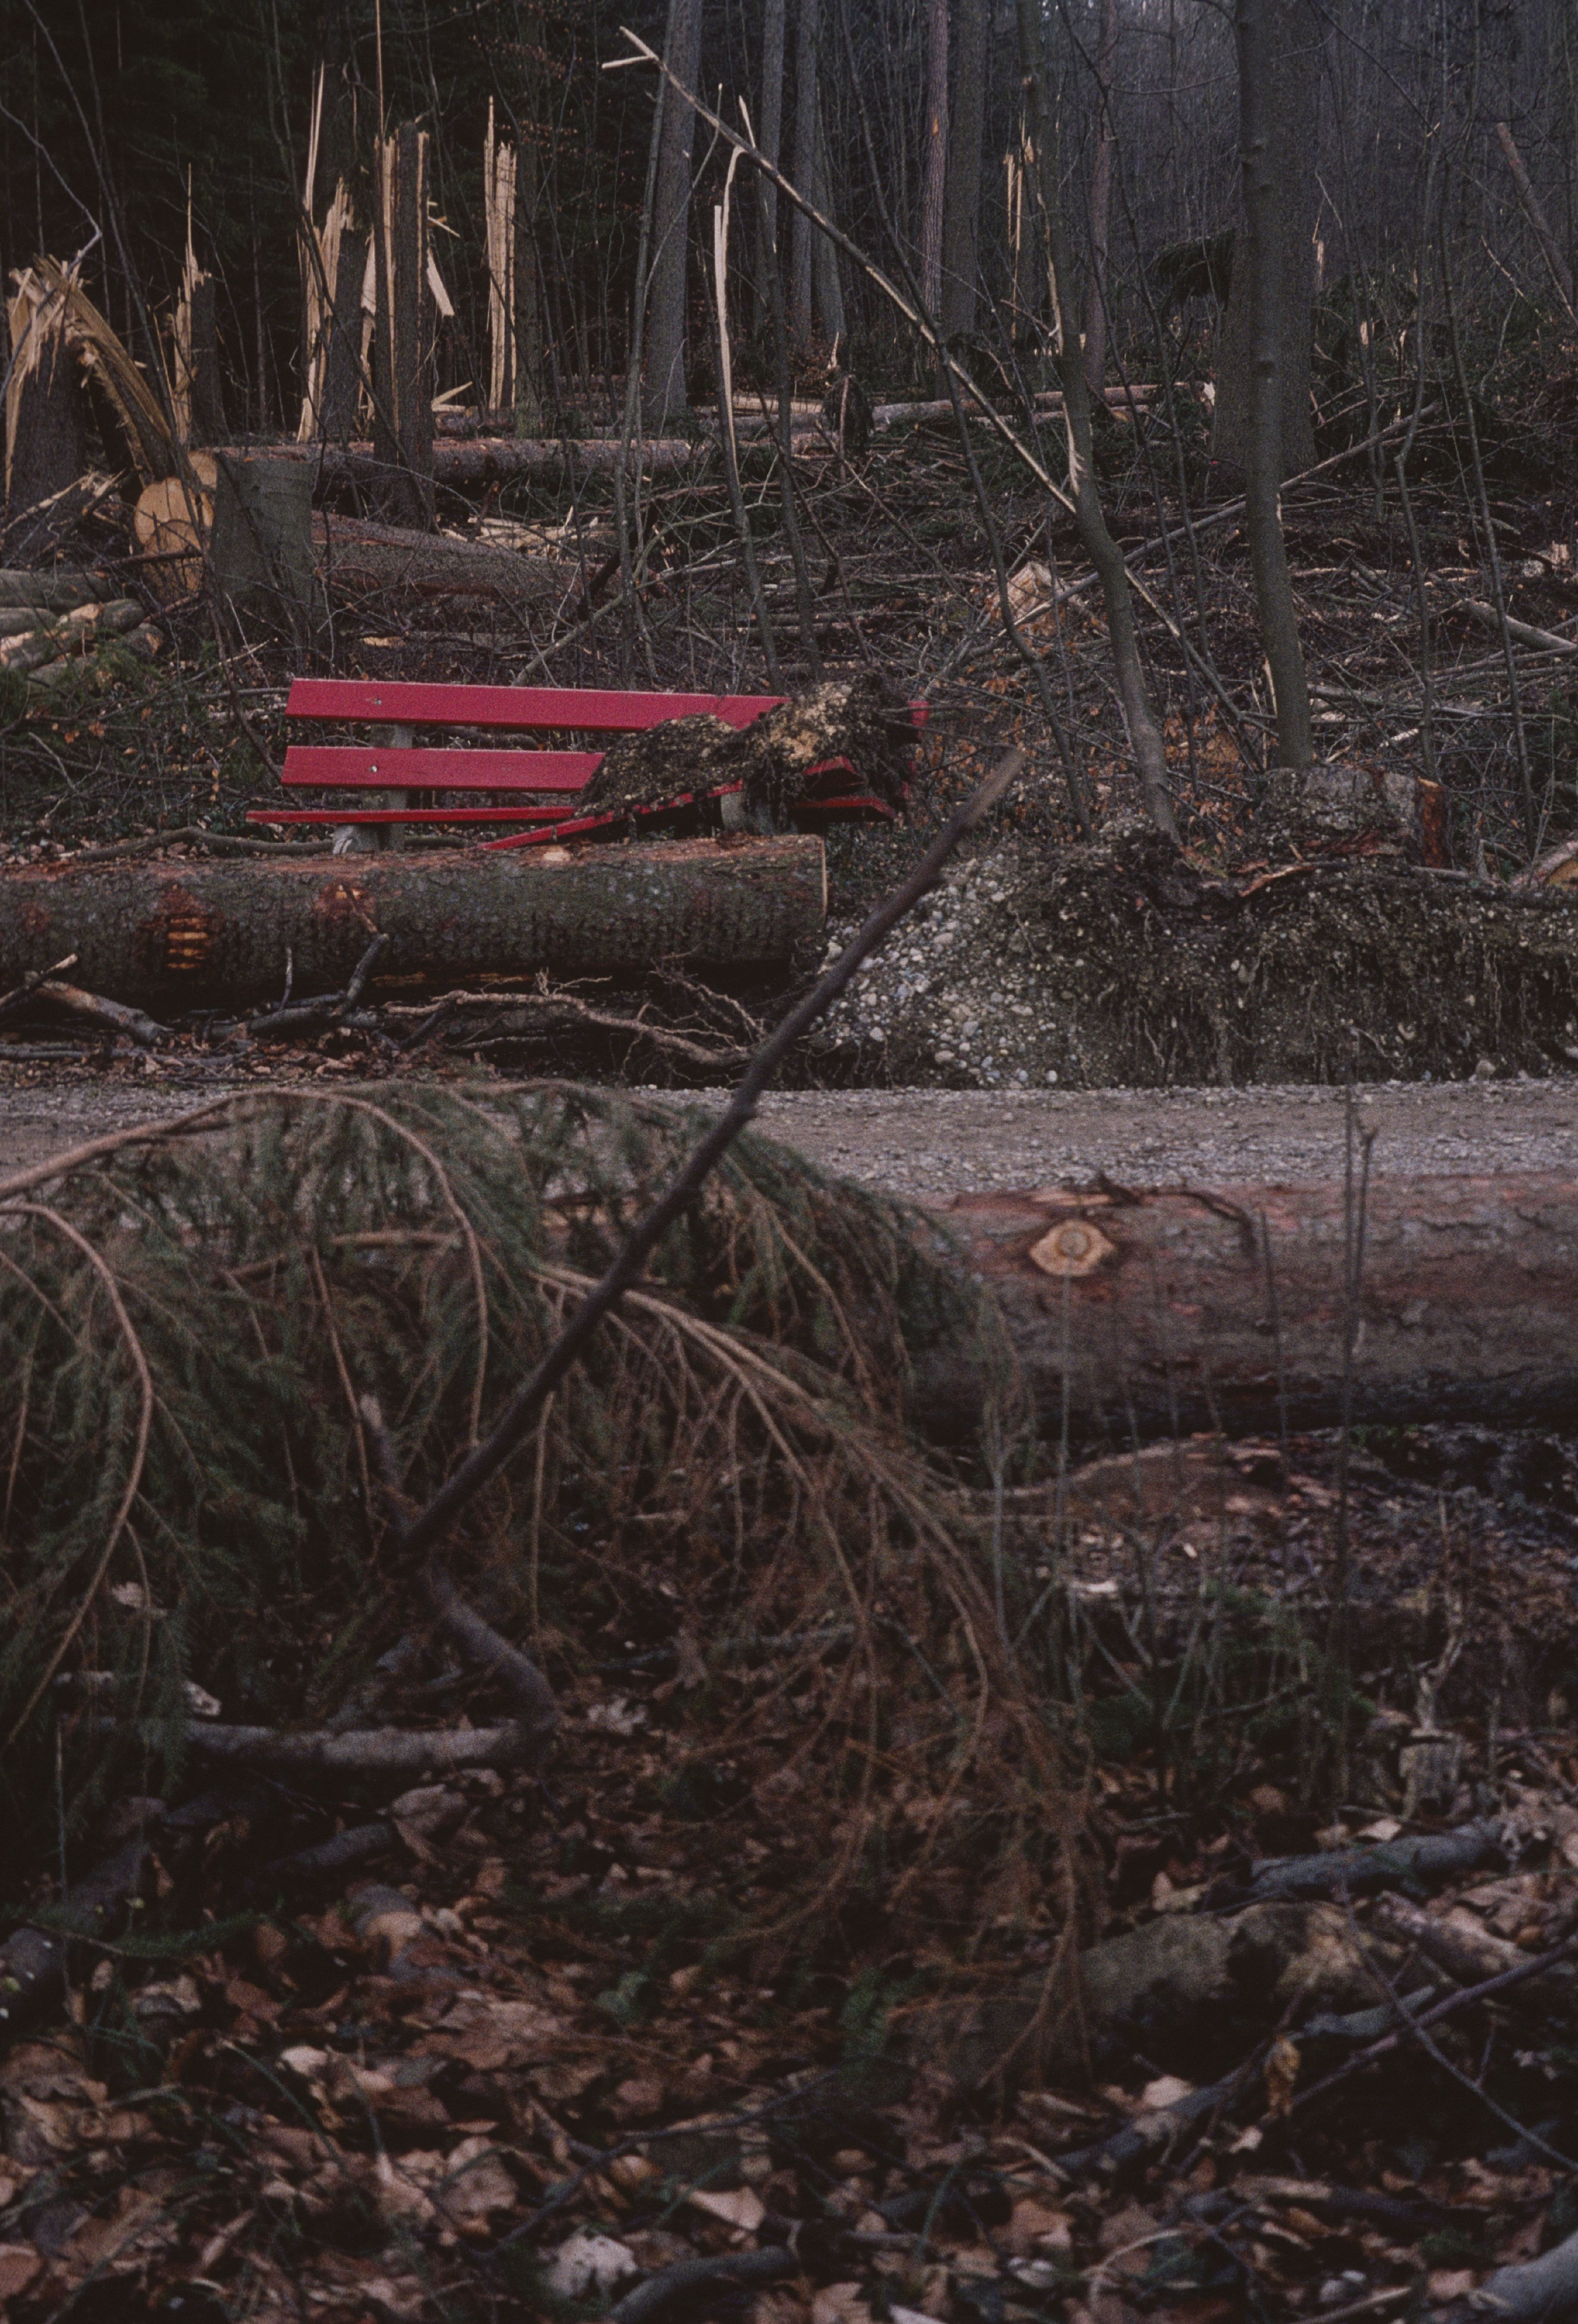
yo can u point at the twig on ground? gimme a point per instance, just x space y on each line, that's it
687 2277
115 1015
325 1008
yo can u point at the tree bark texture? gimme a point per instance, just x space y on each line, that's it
934 165
803 173
1272 279
1095 534
169 935
961 200
403 425
1188 1310
671 214
1101 191
1285 57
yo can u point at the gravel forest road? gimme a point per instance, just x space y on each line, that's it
929 1144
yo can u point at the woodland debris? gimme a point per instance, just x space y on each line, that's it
857 719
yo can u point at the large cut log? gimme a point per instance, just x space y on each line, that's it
1185 1310
169 937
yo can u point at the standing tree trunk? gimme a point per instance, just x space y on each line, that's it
934 171
802 172
1261 281
1285 38
771 140
1101 190
961 200
671 212
1144 735
830 285
531 365
45 449
402 418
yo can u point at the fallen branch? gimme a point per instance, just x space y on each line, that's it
1472 1957
1543 2291
325 1009
1434 1858
380 1755
1466 1997
1525 632
687 2277
115 1015
567 1006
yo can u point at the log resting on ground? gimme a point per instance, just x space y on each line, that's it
218 935
493 459
1160 1313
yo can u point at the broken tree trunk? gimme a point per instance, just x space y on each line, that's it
218 935
402 403
1183 1311
45 446
259 551
499 218
198 393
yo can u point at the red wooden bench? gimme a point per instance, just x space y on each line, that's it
538 787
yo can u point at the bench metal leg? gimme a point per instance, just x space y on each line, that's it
371 838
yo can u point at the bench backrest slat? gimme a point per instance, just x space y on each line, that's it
574 708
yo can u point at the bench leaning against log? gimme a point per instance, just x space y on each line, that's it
394 772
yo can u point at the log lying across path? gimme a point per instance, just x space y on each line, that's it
1185 1310
219 935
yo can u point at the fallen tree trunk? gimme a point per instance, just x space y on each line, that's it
494 459
357 555
1189 1310
219 935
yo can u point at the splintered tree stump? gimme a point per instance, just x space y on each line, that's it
1186 1311
169 937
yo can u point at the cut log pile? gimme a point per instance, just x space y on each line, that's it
50 622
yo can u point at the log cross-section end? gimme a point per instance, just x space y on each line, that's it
1074 1248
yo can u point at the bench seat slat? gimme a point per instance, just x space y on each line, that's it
577 708
416 769
337 815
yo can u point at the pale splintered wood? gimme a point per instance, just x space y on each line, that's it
499 183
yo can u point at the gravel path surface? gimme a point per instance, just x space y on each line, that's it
936 1143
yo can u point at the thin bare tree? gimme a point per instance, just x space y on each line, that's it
1260 279
671 212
